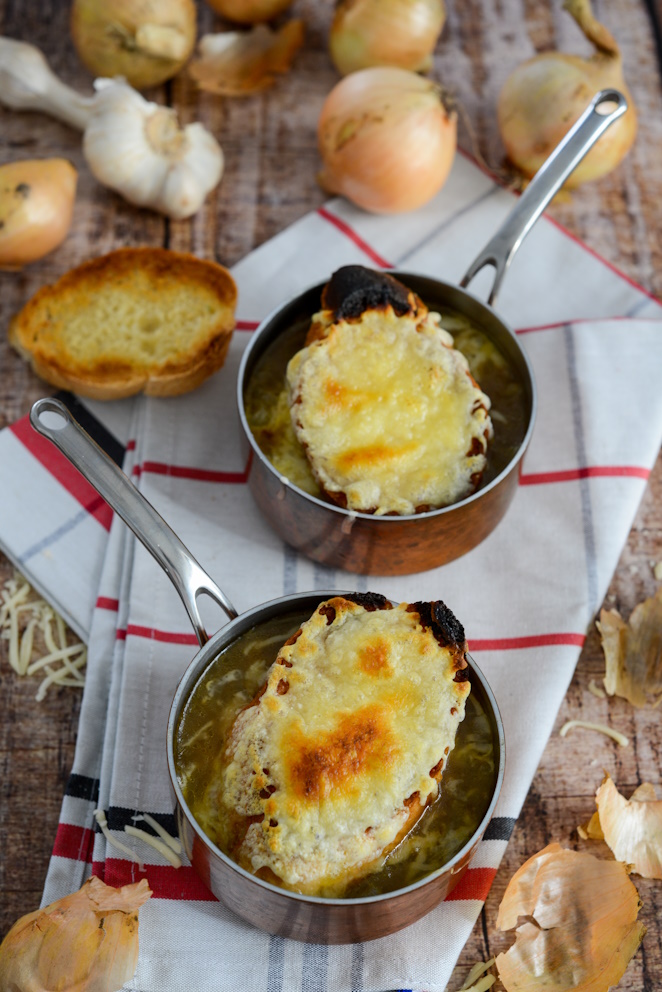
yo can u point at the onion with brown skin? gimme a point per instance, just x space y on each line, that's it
36 207
542 99
145 41
403 33
249 11
387 139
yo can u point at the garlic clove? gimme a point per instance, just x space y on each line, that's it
138 149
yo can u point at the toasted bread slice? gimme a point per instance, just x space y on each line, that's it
336 758
389 416
137 319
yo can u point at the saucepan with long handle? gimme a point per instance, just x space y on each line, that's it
395 545
274 909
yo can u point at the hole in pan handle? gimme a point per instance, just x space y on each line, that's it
605 108
52 420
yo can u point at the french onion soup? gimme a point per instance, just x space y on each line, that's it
375 403
317 764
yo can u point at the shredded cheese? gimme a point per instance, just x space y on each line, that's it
100 817
172 842
596 690
478 969
600 727
29 625
157 844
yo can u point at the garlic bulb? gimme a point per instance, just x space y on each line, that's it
132 146
146 41
36 207
385 32
139 149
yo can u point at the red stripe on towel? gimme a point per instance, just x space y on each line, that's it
165 636
590 472
531 641
246 325
106 603
74 842
353 236
199 474
61 469
474 884
165 881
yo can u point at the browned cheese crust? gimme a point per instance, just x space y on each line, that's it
344 746
384 407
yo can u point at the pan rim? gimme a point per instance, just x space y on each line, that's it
357 514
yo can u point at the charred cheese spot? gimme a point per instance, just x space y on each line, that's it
361 743
374 657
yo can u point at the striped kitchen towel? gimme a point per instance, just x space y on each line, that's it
526 595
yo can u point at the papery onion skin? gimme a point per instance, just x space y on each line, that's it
401 33
249 11
386 139
84 942
542 99
36 208
145 41
576 923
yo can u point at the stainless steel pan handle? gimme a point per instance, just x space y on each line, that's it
188 577
604 109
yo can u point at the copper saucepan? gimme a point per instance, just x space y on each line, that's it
397 545
276 910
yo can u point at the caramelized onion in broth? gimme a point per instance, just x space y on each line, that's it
232 680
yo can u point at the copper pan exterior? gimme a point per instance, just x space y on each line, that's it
307 918
385 545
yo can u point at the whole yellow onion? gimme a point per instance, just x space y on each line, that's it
403 33
387 139
542 99
249 11
36 208
146 41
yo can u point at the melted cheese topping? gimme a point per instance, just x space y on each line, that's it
355 722
388 413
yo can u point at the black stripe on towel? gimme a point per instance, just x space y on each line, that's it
94 427
83 787
119 817
499 828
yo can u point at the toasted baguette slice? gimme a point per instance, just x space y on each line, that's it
137 319
342 749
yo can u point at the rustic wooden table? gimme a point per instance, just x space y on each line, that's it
269 181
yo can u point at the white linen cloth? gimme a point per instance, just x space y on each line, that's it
526 596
